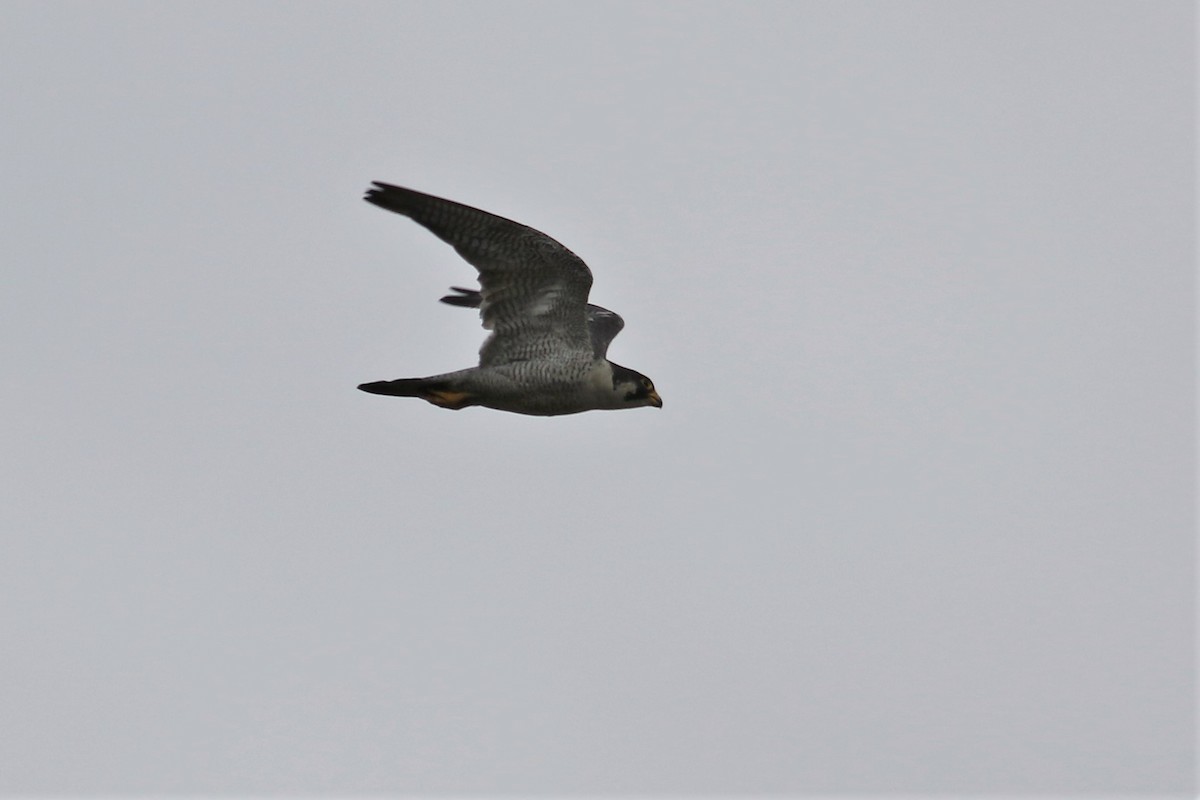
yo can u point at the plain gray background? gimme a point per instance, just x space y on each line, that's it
916 283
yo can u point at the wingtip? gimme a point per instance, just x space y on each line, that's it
464 298
376 189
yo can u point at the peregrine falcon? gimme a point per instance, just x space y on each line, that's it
546 354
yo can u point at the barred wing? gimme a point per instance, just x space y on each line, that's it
533 290
603 325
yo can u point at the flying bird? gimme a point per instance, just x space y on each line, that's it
547 352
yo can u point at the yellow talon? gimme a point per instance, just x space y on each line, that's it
447 398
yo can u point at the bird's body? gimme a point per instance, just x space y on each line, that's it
547 354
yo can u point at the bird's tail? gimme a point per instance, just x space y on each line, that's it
439 391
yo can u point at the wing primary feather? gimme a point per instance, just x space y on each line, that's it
466 298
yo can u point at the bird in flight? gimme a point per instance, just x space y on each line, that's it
547 352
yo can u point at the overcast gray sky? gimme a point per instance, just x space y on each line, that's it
916 283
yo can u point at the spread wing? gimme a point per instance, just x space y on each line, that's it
534 291
603 325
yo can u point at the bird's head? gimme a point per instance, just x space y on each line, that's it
633 389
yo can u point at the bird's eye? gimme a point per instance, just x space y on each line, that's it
647 384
